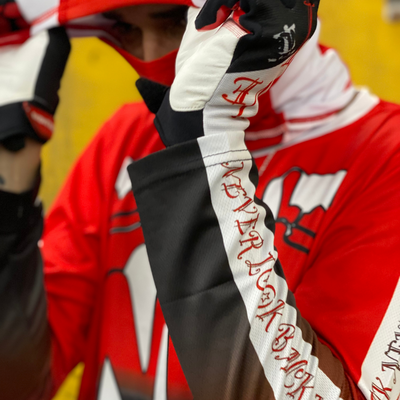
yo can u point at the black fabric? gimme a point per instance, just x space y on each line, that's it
51 72
203 308
24 333
15 126
208 13
3 2
153 93
176 127
15 210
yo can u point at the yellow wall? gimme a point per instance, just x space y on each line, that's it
367 43
97 81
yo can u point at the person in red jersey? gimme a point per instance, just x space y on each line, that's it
327 163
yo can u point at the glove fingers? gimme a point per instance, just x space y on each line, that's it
214 13
277 33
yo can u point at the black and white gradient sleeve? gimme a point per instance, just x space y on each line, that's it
231 317
24 332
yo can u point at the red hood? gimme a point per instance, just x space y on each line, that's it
36 12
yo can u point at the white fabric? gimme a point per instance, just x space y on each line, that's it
31 10
261 289
202 81
362 104
382 363
221 115
47 23
19 69
197 78
315 84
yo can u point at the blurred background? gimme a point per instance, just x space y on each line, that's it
92 90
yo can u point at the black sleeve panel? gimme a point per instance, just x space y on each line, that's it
233 321
24 333
174 208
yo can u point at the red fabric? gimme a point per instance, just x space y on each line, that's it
339 288
13 28
94 320
72 9
161 70
342 286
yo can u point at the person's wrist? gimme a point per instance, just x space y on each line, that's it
19 170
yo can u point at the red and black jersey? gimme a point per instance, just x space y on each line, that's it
334 196
287 301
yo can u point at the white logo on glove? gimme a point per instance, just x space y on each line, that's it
287 42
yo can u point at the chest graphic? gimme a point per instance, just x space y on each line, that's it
298 202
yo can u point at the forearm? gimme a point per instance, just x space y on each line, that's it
19 170
233 321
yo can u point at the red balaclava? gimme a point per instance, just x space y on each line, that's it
72 13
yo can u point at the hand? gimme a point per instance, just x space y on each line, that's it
222 72
30 76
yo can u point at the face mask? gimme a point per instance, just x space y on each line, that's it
161 70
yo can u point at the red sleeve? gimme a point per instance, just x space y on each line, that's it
234 323
351 293
76 239
71 250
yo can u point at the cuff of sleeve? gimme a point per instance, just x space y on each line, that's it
15 210
165 164
179 159
14 126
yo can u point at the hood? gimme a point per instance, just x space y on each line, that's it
44 14
314 89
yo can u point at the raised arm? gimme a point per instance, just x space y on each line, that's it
29 79
233 321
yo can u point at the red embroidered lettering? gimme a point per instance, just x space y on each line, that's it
237 190
251 265
268 295
272 314
249 224
232 169
244 206
255 242
242 94
282 340
302 386
378 391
